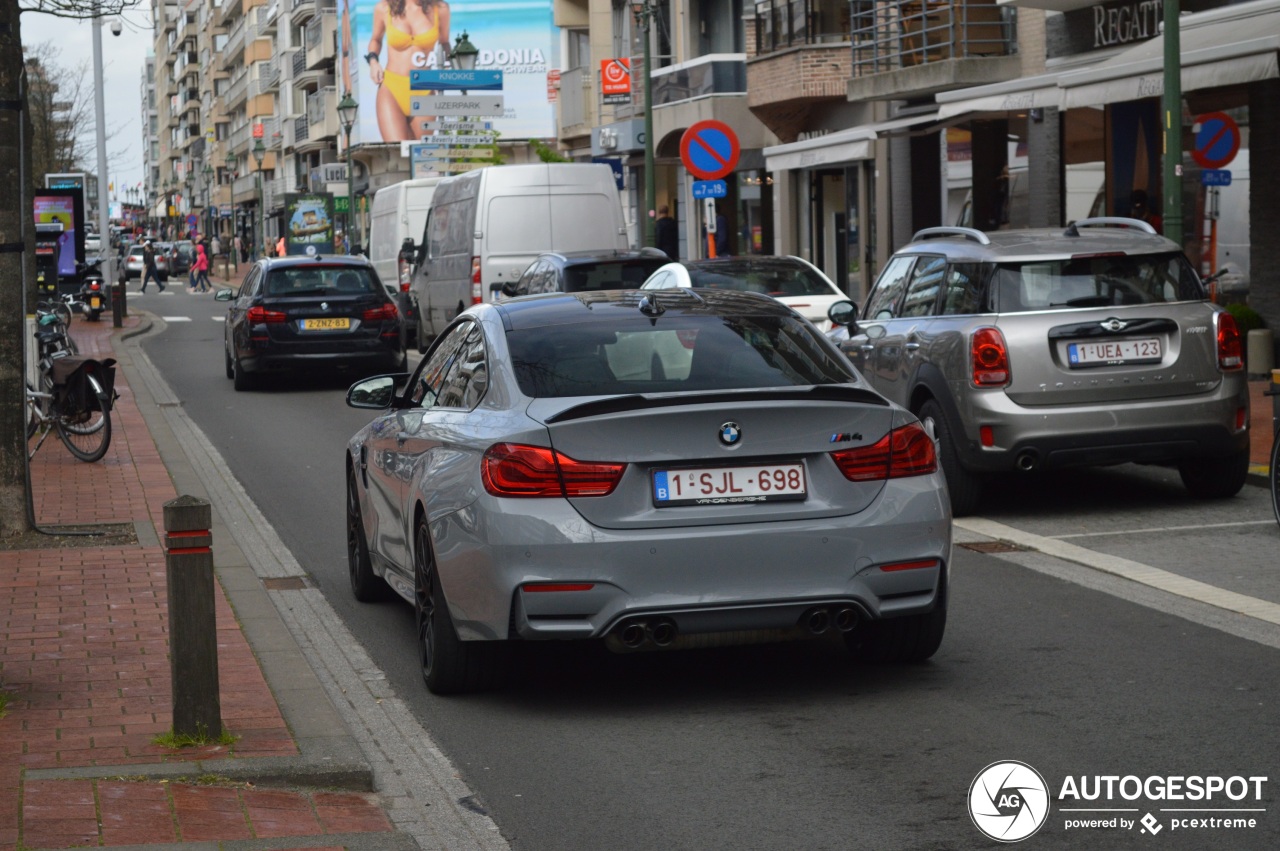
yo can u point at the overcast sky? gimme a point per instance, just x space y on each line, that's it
123 61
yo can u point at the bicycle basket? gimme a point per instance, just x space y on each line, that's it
74 394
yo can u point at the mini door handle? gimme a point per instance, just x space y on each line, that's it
911 347
867 348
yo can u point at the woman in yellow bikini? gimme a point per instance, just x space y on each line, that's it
412 30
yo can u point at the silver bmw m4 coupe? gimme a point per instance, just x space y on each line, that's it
657 470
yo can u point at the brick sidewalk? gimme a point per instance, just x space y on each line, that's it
84 665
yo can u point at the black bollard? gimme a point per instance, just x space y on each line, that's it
193 628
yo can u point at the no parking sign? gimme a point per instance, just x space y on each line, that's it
1217 140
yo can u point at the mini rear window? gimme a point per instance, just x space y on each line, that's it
625 275
320 280
672 354
1095 281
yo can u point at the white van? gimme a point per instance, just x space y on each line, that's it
486 226
399 212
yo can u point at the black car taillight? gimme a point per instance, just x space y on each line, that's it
383 313
260 315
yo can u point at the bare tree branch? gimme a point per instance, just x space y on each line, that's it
78 9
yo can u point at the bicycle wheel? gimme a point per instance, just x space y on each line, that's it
88 434
1275 476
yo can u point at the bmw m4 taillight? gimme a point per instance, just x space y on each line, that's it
905 451
513 469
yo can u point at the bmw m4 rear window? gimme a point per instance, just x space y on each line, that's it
672 354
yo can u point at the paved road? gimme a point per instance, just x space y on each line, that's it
1072 670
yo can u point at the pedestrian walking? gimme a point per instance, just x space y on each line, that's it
201 269
280 249
242 249
216 247
149 269
666 236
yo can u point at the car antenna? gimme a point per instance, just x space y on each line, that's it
650 306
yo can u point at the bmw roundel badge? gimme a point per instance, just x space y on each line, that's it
730 434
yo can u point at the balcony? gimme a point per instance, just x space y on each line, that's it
301 132
322 118
236 93
266 17
269 77
577 102
321 46
191 100
802 62
305 9
230 9
239 137
235 42
716 74
914 48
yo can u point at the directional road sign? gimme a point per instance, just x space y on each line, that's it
455 105
710 189
443 152
709 149
459 140
444 166
427 80
459 125
1217 140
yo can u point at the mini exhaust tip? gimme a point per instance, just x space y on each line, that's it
633 634
1027 461
662 633
846 619
817 621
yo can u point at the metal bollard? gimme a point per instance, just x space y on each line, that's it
117 305
1260 353
193 628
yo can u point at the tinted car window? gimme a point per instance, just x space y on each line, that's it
609 276
431 376
1096 281
883 300
673 354
926 281
467 379
963 293
320 280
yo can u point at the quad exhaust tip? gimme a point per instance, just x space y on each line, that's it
660 633
633 634
819 620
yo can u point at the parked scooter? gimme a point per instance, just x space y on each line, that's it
93 292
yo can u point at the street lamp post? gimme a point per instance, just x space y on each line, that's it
259 153
230 164
207 175
645 12
347 108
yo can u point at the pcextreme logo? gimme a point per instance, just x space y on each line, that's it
1009 801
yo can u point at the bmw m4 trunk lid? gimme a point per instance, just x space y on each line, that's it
720 457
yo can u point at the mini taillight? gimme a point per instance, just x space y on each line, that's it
990 358
512 469
477 294
93 285
259 314
905 451
386 312
1230 353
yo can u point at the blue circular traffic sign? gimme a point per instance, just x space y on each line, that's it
1217 140
709 149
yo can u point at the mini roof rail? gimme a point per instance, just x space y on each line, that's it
968 233
1073 229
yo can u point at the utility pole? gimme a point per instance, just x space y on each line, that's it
644 12
1171 107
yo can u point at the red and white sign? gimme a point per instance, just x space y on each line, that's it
615 76
553 85
257 131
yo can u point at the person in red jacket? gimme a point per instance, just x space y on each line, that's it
201 269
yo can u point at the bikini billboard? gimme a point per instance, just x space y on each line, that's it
382 42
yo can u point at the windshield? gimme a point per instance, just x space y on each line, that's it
672 354
320 280
775 279
1095 281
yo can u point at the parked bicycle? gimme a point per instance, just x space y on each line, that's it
74 394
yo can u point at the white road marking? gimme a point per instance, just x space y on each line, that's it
1156 529
1134 571
176 318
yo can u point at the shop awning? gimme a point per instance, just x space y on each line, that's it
1012 96
843 146
1222 47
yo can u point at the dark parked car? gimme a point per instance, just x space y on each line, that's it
323 311
661 470
182 256
584 271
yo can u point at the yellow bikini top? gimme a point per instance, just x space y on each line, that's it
398 39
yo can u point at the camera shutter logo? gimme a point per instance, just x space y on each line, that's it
1008 801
